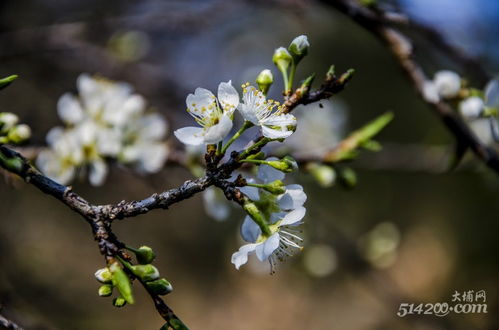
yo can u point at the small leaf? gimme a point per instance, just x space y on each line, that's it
7 81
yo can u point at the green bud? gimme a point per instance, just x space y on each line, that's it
7 121
7 81
119 302
105 290
282 59
122 282
160 287
145 272
299 48
323 174
145 255
257 216
104 275
348 177
275 187
265 80
19 133
287 164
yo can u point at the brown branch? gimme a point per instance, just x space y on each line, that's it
401 48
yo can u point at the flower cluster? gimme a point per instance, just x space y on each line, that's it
479 107
105 121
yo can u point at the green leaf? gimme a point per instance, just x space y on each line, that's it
176 324
7 81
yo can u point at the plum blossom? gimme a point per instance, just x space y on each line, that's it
447 83
105 120
472 107
282 212
262 112
213 114
278 245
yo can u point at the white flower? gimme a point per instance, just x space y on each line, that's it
106 120
320 129
278 245
143 146
281 212
260 111
212 114
472 107
448 83
430 92
215 204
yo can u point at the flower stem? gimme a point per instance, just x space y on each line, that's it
247 124
289 83
258 144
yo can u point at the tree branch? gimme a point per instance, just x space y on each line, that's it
401 48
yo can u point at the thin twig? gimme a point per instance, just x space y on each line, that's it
401 48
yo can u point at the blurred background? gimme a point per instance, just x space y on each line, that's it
408 232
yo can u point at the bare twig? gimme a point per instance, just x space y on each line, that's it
401 48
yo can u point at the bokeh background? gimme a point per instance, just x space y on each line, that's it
408 232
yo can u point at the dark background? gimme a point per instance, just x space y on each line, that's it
443 226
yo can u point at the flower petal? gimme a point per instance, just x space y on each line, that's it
190 135
228 96
293 198
250 230
293 217
264 250
199 103
215 204
492 93
251 192
240 257
278 127
218 132
69 109
268 174
97 172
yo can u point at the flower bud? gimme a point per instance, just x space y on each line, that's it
119 302
448 83
472 107
299 48
122 282
145 255
145 272
7 120
323 174
19 133
275 187
348 177
160 287
287 164
282 59
265 80
104 275
4 82
105 290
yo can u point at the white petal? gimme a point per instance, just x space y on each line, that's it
69 109
276 127
251 192
54 135
293 198
202 98
97 172
190 135
430 92
250 230
215 204
218 132
269 174
293 217
135 104
154 127
448 83
240 257
152 157
228 96
263 251
471 107
492 93
109 142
